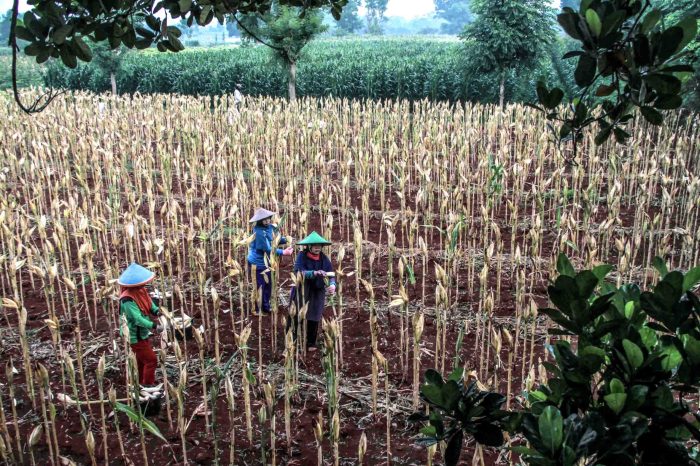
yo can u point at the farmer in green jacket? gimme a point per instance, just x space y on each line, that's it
137 307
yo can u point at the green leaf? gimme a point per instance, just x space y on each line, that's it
434 377
68 57
616 386
249 375
153 22
586 281
144 32
23 33
652 115
634 353
671 358
433 394
650 20
692 347
616 401
564 266
536 396
451 395
34 48
603 135
551 428
454 448
648 337
59 36
668 102
456 374
689 25
604 90
637 396
175 42
667 43
490 435
81 49
660 266
691 279
585 70
664 83
569 22
205 15
184 5
602 271
140 420
593 21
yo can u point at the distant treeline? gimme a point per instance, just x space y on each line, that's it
410 68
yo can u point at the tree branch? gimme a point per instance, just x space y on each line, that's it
48 96
247 31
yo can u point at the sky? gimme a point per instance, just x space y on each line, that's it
407 9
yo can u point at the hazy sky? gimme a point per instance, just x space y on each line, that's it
405 8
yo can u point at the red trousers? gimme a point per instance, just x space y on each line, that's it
146 360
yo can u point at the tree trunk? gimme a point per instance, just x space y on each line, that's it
292 81
113 80
502 90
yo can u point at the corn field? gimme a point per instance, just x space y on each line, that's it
446 222
379 69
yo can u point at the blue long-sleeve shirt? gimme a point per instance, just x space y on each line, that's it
308 266
261 247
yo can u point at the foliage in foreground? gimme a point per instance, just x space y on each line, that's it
617 397
628 58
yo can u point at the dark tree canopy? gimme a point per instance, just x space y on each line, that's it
573 4
375 15
508 33
58 28
350 21
455 13
5 21
286 31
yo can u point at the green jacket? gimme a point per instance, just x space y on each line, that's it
138 324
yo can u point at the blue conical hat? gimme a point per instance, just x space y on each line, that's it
135 275
314 238
261 214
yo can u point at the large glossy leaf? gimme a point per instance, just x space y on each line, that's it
616 401
433 394
691 279
586 281
551 428
634 354
434 377
489 434
454 448
450 395
585 70
689 25
564 266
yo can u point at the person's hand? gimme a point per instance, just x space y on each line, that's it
319 273
288 251
331 290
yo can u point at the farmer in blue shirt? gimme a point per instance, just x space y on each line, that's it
259 252
317 278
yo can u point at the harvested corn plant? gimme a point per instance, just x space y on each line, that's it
452 215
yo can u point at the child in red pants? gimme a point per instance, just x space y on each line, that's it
137 306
